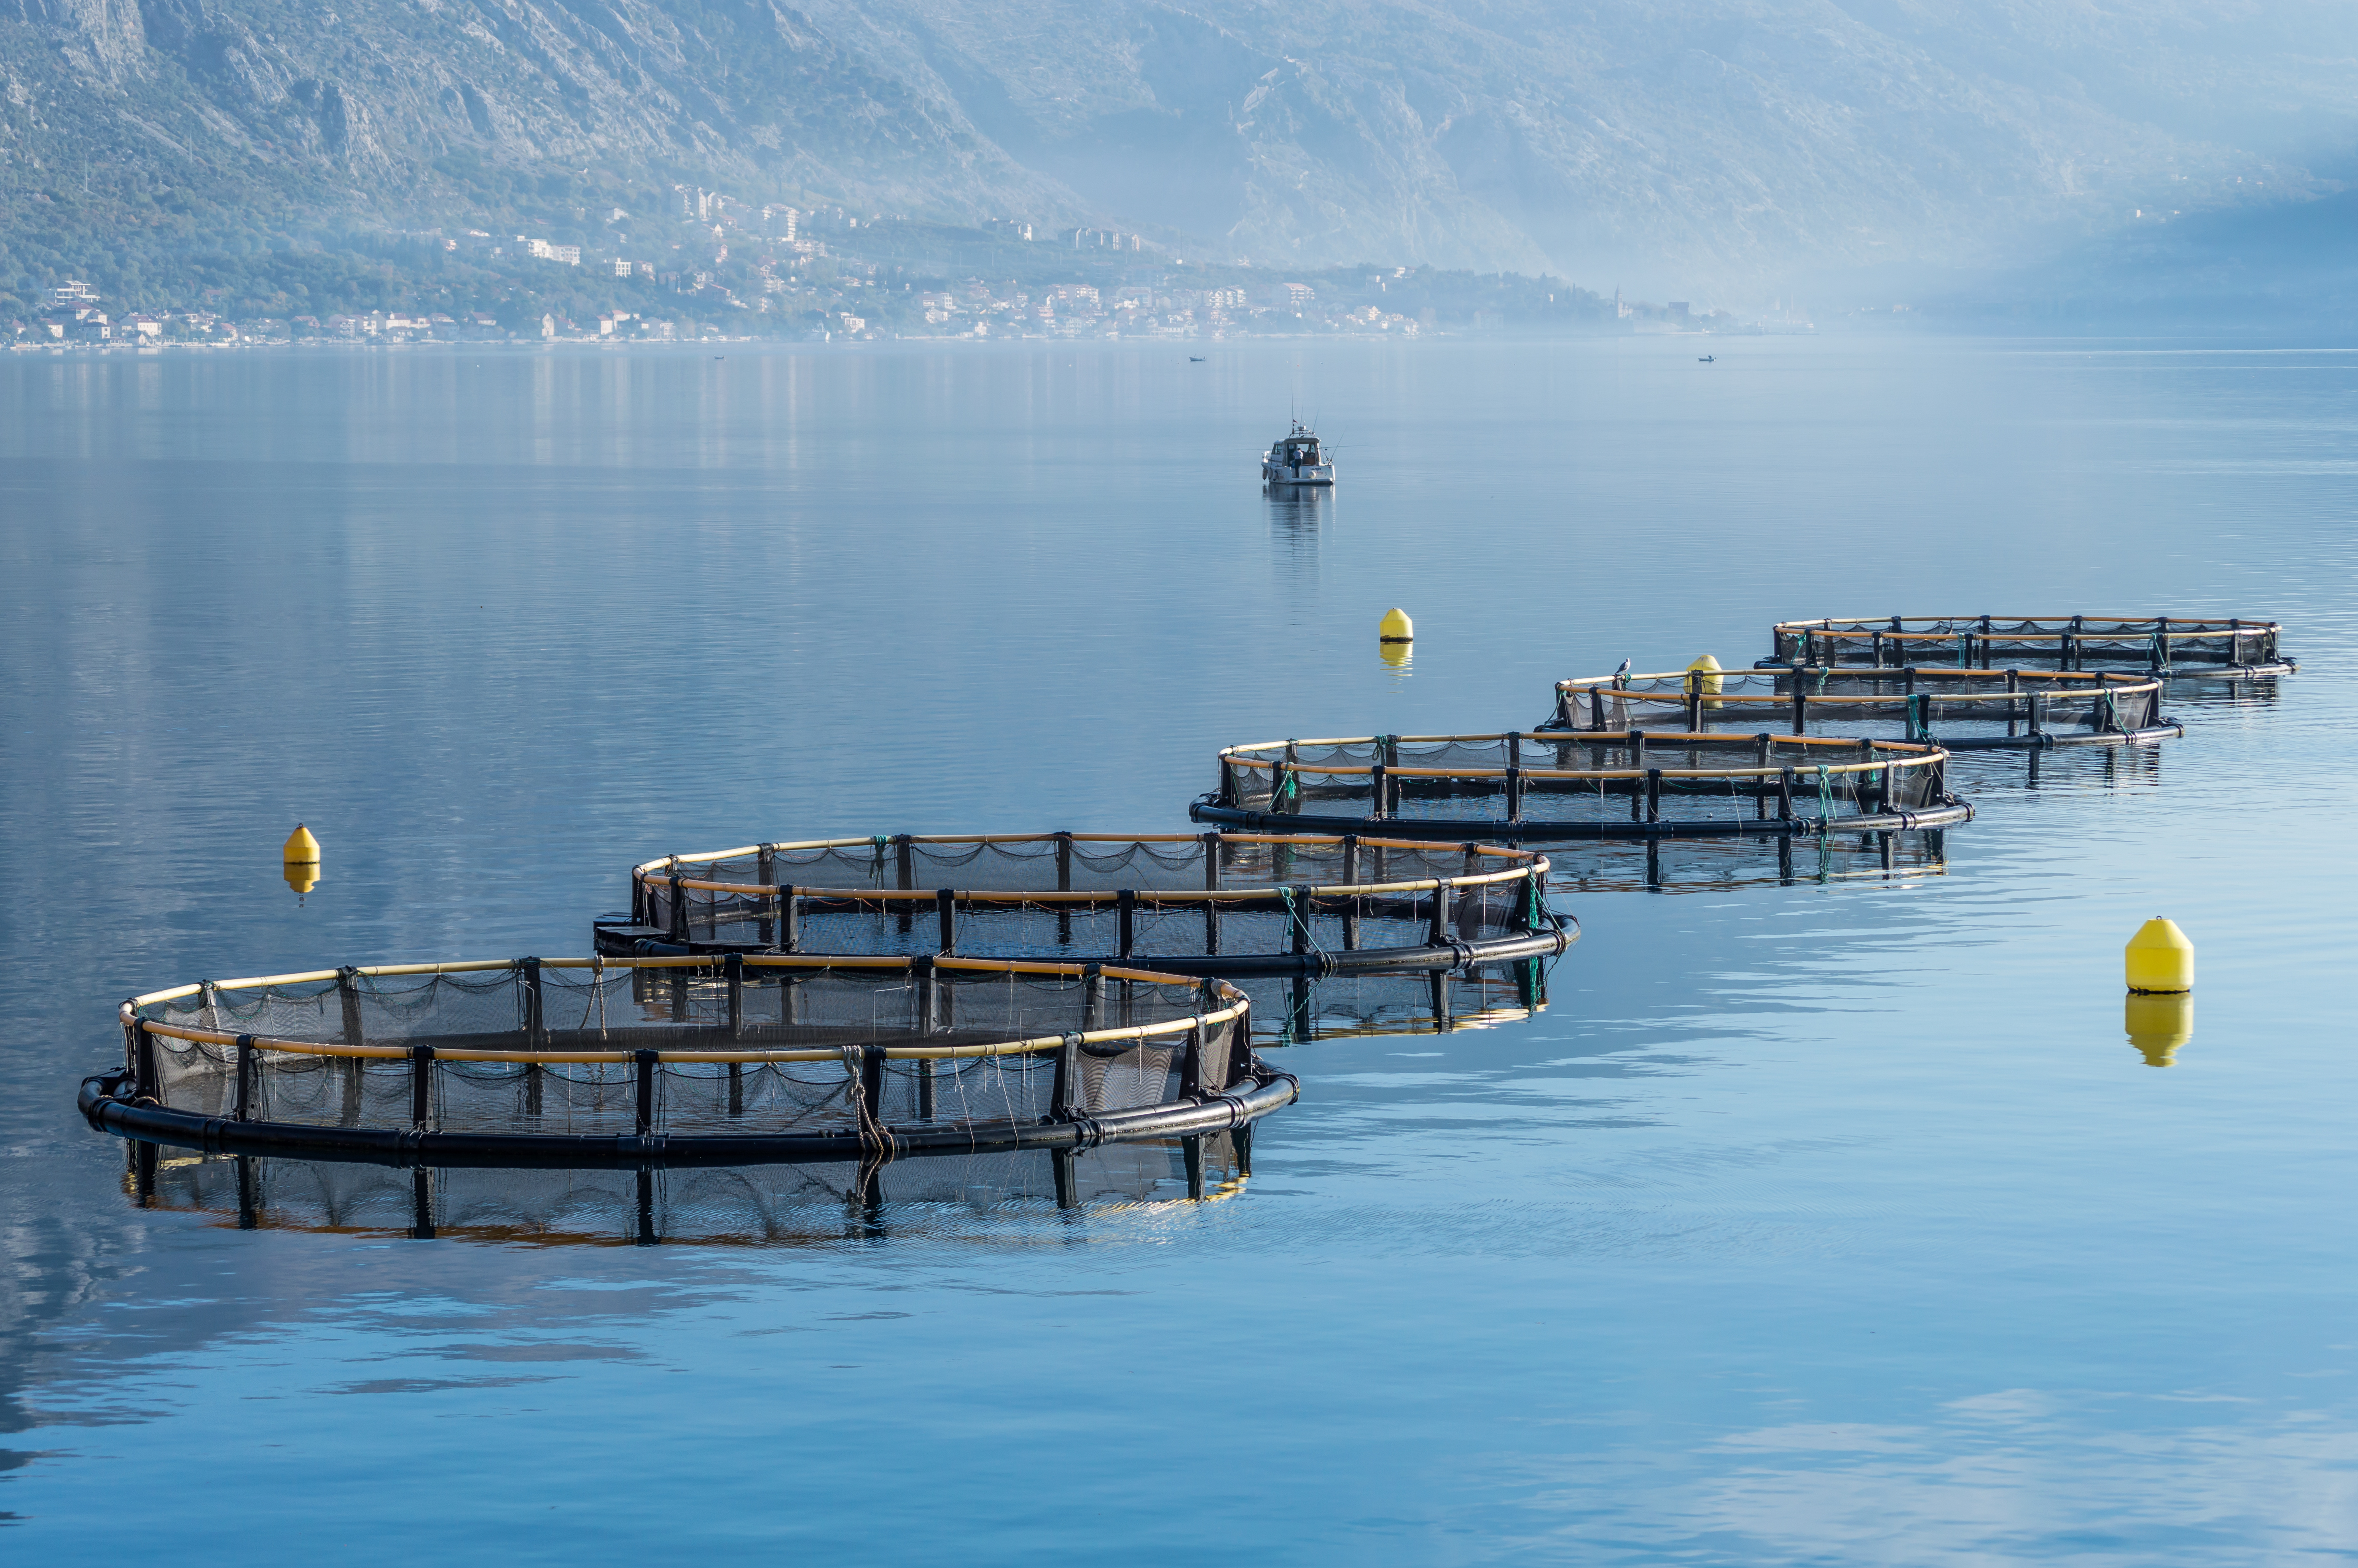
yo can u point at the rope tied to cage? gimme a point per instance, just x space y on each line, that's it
1825 800
871 1129
1309 926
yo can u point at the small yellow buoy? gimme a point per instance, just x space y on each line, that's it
1396 627
1709 668
300 861
2160 958
2157 1023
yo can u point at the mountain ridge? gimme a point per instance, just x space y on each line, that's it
1728 145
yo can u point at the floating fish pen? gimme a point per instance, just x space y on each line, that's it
1958 710
2166 645
721 1060
1229 904
939 1195
1559 785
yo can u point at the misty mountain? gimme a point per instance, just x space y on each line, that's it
1708 144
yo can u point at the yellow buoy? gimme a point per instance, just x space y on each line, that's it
1709 668
301 860
2160 958
1396 627
2157 1023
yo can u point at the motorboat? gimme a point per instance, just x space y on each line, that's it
1296 460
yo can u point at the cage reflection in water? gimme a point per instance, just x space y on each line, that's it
1226 903
1303 1007
1957 709
1710 865
744 1205
1559 786
716 1060
2183 644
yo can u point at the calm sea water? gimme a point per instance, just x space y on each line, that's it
1827 1223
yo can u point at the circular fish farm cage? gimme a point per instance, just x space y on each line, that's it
2163 644
1560 786
1957 709
943 1195
1234 904
727 1059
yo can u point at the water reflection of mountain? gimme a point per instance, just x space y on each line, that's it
783 1205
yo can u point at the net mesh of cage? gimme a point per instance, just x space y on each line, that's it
2231 645
887 1052
1558 785
786 1200
1226 902
1958 709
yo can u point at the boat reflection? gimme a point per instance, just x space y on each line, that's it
1299 510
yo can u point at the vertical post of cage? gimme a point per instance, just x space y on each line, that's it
421 1085
678 909
535 1030
732 970
871 1086
245 1078
348 994
765 872
1800 708
1064 884
645 1059
904 855
1125 904
945 921
1438 933
1653 794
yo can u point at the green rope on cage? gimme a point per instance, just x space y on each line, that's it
1964 643
1825 800
2160 652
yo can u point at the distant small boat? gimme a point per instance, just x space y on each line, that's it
1194 359
1707 360
1296 460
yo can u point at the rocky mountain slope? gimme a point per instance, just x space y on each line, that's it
1704 144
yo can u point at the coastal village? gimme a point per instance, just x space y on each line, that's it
716 269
